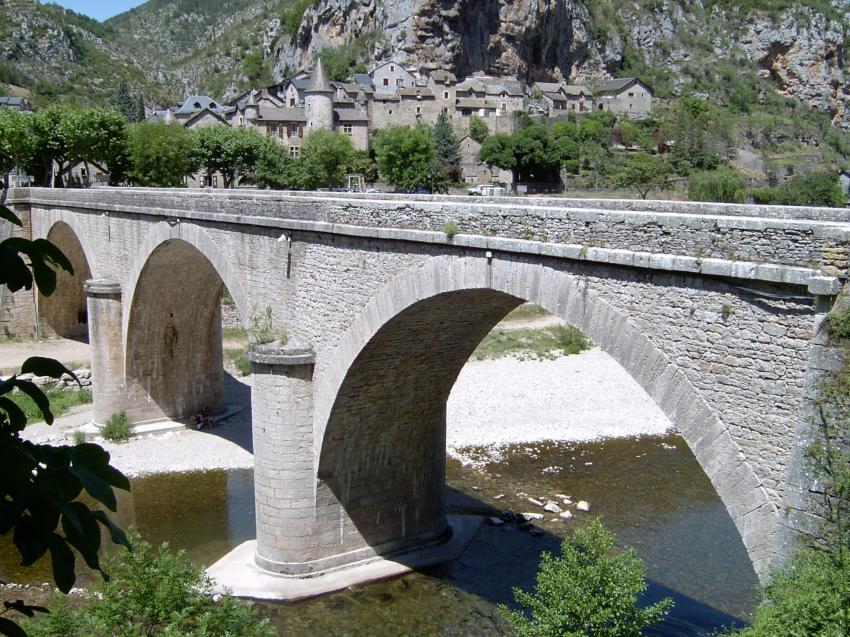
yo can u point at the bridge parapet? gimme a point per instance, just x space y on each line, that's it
812 238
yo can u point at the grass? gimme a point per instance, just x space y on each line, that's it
234 334
532 344
527 312
237 356
61 400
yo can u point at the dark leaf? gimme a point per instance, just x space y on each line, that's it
10 628
33 391
87 539
63 563
115 533
96 458
41 366
11 217
96 485
45 277
49 252
17 417
14 273
24 609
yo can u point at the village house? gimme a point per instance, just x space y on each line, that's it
625 96
392 95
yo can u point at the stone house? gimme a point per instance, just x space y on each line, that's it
476 172
625 96
390 76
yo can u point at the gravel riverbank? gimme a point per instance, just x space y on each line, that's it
494 403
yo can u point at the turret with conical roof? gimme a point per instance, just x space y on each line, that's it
318 100
251 110
168 117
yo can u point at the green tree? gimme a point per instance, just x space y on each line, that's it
644 172
588 590
128 104
364 163
446 144
48 143
152 592
256 70
40 484
478 129
96 135
535 156
405 156
15 141
723 185
498 150
326 157
701 134
161 154
818 188
233 152
274 167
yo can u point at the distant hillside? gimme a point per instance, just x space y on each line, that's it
56 52
735 53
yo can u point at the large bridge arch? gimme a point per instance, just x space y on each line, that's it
64 313
380 444
172 324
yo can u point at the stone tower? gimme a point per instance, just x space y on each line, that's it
318 100
251 110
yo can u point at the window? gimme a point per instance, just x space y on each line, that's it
464 113
399 82
419 110
445 95
347 129
392 68
291 102
294 151
504 106
631 94
386 81
273 129
390 111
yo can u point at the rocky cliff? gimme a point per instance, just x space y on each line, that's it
679 46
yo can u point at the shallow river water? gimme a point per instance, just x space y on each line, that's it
650 491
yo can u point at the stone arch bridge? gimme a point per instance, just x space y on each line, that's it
716 310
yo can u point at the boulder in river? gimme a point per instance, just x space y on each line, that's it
583 505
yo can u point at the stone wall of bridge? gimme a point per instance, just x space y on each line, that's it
715 316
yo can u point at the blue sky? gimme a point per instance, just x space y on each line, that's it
99 9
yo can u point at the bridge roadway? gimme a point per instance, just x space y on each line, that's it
716 310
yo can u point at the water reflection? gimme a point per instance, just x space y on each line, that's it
650 491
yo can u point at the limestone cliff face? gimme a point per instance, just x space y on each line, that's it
801 49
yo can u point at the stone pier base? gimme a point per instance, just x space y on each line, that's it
237 572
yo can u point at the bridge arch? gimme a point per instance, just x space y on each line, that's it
64 313
379 434
172 324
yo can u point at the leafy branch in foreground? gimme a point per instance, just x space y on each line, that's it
40 484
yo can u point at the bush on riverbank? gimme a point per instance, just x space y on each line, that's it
151 591
588 590
116 428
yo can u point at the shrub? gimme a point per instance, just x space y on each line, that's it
61 400
819 188
450 228
588 590
723 185
151 591
117 428
838 322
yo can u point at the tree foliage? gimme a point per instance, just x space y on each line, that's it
446 144
128 104
478 129
588 590
405 156
326 157
161 154
644 172
152 591
723 185
233 152
15 140
701 134
817 188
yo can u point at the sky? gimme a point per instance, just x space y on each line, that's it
99 9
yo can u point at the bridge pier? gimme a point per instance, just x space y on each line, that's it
282 429
107 347
305 545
